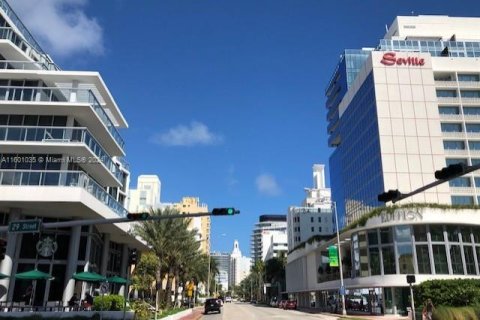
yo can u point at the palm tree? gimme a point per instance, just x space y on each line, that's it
258 269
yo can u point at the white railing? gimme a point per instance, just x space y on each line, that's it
448 99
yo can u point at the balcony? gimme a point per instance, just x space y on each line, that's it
460 135
473 135
466 100
43 136
448 100
470 117
469 84
446 84
70 179
462 190
456 152
449 116
23 65
61 96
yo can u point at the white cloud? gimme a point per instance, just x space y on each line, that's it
195 134
232 181
267 184
61 26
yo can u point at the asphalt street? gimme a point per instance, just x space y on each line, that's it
246 311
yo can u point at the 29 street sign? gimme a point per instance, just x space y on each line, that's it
24 226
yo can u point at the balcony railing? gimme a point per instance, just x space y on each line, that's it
453 134
448 84
55 94
23 65
456 151
448 99
60 135
450 116
469 84
470 100
52 178
29 49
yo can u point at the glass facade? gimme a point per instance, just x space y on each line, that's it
435 48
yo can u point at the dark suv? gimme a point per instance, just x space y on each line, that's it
212 305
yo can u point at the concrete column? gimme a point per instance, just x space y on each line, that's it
106 247
73 94
72 263
123 267
7 264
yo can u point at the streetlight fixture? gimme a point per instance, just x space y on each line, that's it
342 287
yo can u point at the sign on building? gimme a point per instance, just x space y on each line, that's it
333 256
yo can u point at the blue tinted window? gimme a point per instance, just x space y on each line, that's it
471 110
455 161
449 110
454 145
462 200
446 93
473 127
468 77
460 182
451 127
474 145
470 94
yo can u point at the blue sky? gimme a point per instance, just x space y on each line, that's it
225 99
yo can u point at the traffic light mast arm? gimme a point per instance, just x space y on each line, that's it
467 169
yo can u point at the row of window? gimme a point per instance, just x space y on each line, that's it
444 93
32 120
455 110
460 77
458 127
460 145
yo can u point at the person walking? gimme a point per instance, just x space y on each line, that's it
428 310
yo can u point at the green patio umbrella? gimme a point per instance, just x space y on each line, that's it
3 276
89 277
117 279
34 275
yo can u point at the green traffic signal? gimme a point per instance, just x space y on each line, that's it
138 216
224 211
230 211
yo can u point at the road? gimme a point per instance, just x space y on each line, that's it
246 311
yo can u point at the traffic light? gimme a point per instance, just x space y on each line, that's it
391 195
133 257
224 212
138 216
451 171
3 249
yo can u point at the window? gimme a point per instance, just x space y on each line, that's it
312 229
462 200
319 219
311 219
436 233
452 233
470 94
372 237
319 229
143 197
464 182
473 127
423 259
402 234
456 259
386 235
468 77
451 127
446 93
420 233
374 262
405 258
471 110
469 260
449 110
440 259
388 260
454 145
474 145
455 161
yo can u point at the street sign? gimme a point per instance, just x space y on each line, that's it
333 256
25 226
342 290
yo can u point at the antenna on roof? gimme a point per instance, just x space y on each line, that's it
386 28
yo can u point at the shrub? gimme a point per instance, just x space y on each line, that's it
454 313
142 310
454 293
112 302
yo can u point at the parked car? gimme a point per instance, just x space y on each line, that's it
281 304
228 299
273 303
290 304
212 305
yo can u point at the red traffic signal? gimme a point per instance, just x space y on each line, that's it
138 216
224 211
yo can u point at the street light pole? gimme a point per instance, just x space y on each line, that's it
344 311
208 277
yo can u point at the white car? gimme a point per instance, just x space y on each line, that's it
228 299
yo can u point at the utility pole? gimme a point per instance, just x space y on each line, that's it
342 286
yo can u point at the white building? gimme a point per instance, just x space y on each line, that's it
147 194
398 113
61 159
278 246
315 215
263 231
239 266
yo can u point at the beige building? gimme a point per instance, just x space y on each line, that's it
189 205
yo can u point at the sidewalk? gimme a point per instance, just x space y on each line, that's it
195 315
354 316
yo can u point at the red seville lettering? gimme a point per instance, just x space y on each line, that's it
390 59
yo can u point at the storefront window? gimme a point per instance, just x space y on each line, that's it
420 233
456 259
469 260
388 260
466 234
362 239
476 234
423 259
440 259
402 234
452 232
372 237
436 232
386 235
374 262
405 259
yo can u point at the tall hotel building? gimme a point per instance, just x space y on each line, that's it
61 159
397 113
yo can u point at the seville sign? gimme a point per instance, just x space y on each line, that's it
390 59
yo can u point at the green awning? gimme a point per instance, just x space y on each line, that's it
3 276
89 277
117 279
34 275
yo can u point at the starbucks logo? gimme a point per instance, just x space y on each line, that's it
46 247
